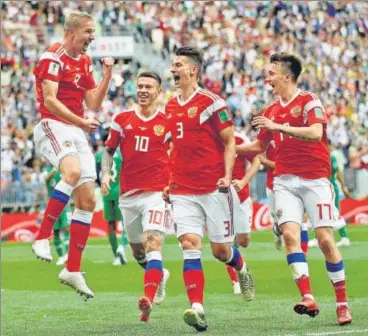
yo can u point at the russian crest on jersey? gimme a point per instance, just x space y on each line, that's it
192 111
296 111
158 130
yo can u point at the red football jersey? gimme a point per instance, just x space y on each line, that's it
270 155
143 145
74 76
304 158
197 159
240 166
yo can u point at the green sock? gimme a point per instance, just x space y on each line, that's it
113 242
66 241
343 232
124 239
58 244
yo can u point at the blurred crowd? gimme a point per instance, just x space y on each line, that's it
237 38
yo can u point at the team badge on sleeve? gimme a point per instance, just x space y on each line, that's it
159 130
318 112
192 112
54 69
224 116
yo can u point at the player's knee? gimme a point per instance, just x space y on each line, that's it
290 238
111 226
191 242
243 240
152 241
71 175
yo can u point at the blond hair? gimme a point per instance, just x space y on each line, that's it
73 19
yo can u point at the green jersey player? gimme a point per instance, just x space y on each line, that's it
337 175
61 226
111 207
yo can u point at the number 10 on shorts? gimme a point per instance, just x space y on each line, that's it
158 217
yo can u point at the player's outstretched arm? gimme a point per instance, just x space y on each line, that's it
227 136
313 132
257 146
94 97
106 165
55 106
252 171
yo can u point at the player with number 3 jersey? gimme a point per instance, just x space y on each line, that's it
201 164
142 137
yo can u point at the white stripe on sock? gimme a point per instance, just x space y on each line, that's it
82 216
337 276
299 269
192 254
64 187
153 255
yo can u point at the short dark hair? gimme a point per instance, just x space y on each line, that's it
195 54
151 74
291 62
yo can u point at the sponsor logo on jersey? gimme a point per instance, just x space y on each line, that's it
224 116
192 111
129 127
54 68
142 128
296 111
158 130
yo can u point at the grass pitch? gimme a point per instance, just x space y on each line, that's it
35 303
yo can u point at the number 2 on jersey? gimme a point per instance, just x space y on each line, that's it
141 143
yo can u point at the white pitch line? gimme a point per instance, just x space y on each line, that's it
337 332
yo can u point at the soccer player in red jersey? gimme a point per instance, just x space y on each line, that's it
297 124
201 164
64 79
142 136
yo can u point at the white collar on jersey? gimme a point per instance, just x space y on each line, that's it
292 98
74 58
182 103
152 116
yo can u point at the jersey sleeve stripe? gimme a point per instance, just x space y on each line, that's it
208 112
116 127
51 56
309 106
209 94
